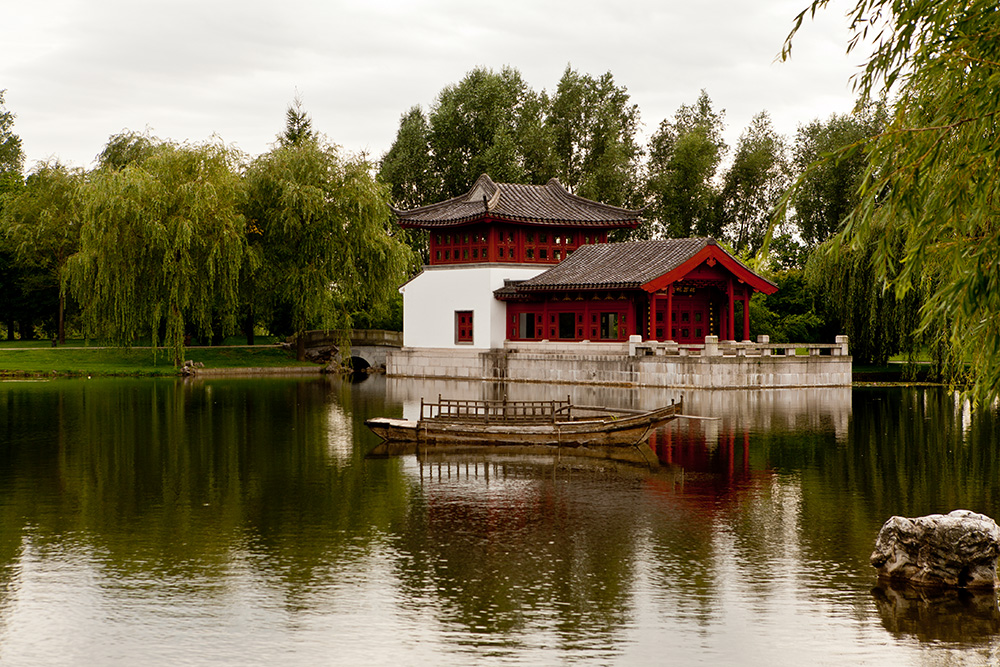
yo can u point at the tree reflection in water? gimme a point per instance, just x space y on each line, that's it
242 517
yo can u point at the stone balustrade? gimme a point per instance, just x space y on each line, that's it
713 347
357 337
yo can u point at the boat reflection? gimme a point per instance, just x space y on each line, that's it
719 438
736 410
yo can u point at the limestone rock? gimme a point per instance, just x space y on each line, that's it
957 550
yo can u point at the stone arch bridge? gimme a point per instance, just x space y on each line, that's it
369 347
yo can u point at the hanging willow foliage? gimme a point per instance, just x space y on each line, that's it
878 323
928 207
322 224
161 246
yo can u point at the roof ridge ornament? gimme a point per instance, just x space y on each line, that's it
480 188
494 200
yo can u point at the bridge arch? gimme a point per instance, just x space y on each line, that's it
359 363
369 347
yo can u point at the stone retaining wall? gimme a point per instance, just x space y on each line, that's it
612 364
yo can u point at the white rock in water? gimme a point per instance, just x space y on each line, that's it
957 550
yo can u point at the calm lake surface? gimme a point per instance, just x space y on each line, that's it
233 522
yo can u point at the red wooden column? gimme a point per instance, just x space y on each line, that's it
731 329
651 318
746 313
491 243
669 317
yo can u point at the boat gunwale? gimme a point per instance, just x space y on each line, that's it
449 428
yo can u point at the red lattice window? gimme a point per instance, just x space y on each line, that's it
463 326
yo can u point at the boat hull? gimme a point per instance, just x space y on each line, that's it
606 437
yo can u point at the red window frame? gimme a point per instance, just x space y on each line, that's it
463 327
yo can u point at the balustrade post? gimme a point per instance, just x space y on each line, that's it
633 341
842 342
764 340
712 346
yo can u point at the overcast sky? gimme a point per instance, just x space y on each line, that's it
79 71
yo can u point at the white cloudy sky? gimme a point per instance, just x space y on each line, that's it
78 71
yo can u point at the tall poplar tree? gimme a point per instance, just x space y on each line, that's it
593 124
829 189
480 125
754 184
406 167
11 152
684 154
489 122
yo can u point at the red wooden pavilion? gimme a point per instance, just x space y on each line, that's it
673 289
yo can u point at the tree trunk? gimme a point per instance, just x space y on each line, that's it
248 327
27 328
300 346
62 318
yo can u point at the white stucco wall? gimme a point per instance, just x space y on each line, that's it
431 299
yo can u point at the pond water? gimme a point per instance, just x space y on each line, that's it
232 522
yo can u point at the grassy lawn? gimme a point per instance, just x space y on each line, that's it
29 358
259 341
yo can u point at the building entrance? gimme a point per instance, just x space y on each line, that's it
693 318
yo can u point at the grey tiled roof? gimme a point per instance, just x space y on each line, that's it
615 265
535 204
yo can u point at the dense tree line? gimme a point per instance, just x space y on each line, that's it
686 179
786 206
165 241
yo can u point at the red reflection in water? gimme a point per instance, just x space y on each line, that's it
714 464
695 451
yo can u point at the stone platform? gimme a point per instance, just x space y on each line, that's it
714 365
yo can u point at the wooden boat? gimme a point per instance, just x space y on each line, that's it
462 422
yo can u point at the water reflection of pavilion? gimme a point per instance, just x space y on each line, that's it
717 458
736 411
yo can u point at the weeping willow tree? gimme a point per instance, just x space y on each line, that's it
928 205
322 226
878 323
161 245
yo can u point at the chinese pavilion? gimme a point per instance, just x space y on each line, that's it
533 262
675 289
